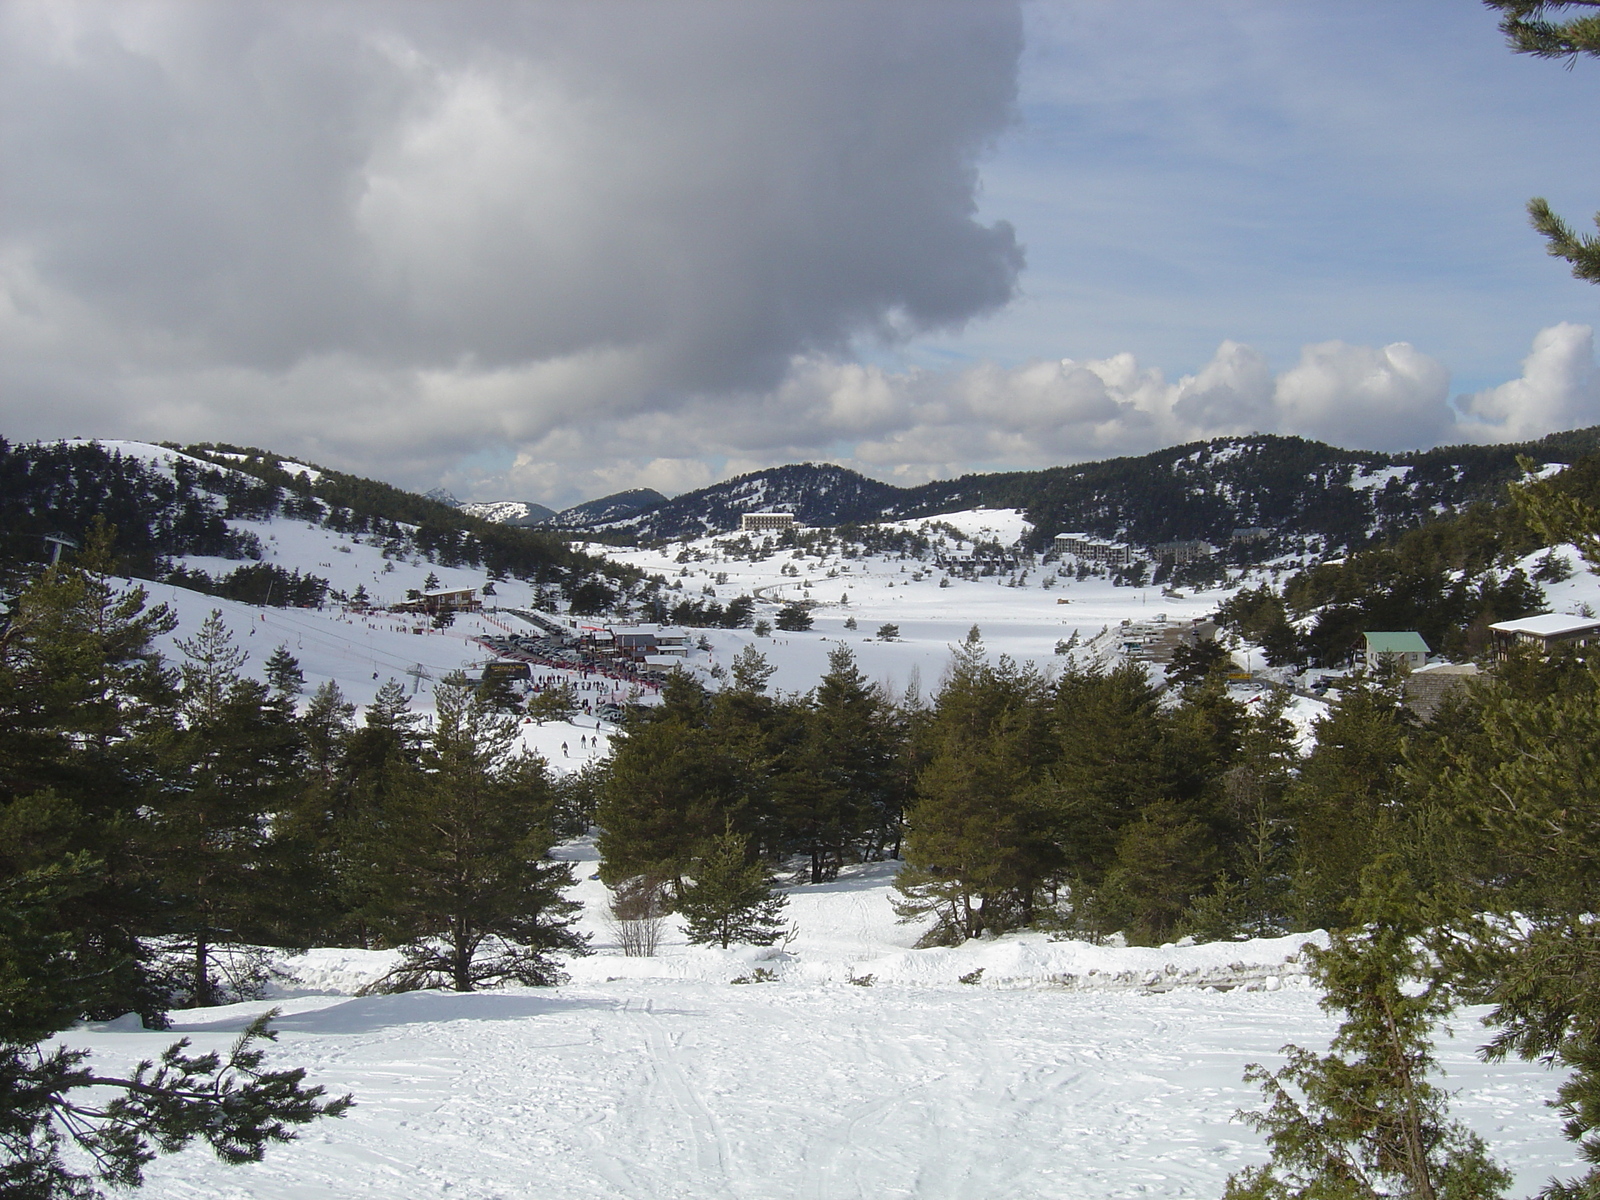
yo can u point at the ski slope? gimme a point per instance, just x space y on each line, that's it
658 1078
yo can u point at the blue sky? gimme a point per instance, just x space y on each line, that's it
548 250
1282 173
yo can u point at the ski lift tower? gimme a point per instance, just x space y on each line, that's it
58 542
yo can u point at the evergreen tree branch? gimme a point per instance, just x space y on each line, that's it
1529 30
1581 250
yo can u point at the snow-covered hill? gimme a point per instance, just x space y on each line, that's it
508 512
1024 612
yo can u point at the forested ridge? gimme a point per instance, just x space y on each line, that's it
164 515
1449 578
1314 497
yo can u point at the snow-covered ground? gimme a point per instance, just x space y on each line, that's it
1067 1070
361 652
1025 622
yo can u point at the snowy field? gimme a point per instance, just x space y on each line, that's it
1025 622
1066 1071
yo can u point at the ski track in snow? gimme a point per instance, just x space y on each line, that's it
656 1079
773 1092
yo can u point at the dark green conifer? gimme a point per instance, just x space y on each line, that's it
1366 1121
731 898
453 863
978 844
1348 798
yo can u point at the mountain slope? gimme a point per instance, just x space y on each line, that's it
815 494
523 514
1327 498
172 506
618 506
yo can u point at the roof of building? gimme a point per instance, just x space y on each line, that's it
1446 669
1405 642
1548 624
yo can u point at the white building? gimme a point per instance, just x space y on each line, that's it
1545 632
1093 549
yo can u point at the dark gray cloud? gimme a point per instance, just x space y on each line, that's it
555 249
320 221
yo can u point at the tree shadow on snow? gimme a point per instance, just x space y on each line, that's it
368 1014
872 876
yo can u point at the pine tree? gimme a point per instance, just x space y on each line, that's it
1250 897
839 781
552 704
1347 799
304 852
1109 766
751 670
1530 29
85 706
978 847
51 1095
1365 1122
1169 854
675 781
233 766
1164 858
453 864
793 618
284 675
1523 778
731 898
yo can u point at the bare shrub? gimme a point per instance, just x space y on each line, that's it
637 915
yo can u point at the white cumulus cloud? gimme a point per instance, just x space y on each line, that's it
1559 388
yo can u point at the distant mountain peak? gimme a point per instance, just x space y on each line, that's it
619 506
522 513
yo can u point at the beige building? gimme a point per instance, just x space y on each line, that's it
1093 549
765 522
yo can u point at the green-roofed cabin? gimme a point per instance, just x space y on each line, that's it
1407 650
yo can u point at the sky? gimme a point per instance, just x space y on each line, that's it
548 251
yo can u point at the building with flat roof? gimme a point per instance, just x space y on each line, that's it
451 600
1544 632
765 522
1182 552
1405 648
1093 549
